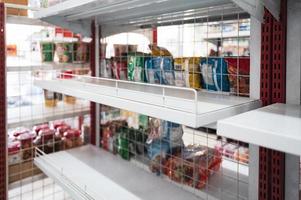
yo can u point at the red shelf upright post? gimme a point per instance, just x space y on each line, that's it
93 73
273 84
3 137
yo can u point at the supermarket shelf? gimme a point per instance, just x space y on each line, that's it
44 66
89 174
180 105
12 19
37 114
276 127
121 16
101 181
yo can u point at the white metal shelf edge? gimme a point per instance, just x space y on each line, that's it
276 127
208 109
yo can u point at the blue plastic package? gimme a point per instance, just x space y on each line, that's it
160 70
214 73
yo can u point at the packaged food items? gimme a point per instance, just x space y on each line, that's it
160 70
80 52
20 131
122 49
229 150
63 52
164 138
50 98
61 130
47 50
190 66
68 74
107 134
14 154
69 99
136 62
26 141
242 155
123 144
180 75
106 68
119 69
215 74
239 75
37 128
81 71
159 51
57 124
193 166
72 139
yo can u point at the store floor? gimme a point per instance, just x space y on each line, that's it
37 188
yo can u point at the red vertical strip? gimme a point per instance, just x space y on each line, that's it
273 90
279 96
155 35
3 145
93 72
265 93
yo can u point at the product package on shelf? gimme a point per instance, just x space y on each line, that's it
64 52
242 155
122 49
46 141
26 141
136 63
110 133
67 74
106 68
193 166
14 153
180 75
214 74
164 138
72 138
190 66
80 52
119 68
50 98
47 51
239 75
159 69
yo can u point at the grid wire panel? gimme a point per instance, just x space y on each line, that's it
191 50
3 145
38 51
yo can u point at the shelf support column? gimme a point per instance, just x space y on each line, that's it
3 121
293 90
273 90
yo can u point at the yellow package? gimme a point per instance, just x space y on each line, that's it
190 66
159 51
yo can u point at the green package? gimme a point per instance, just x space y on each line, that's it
47 50
123 145
136 66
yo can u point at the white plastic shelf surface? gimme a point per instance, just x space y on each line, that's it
277 127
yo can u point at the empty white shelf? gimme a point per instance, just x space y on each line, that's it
276 127
180 105
91 173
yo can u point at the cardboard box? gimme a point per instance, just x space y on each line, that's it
21 171
15 11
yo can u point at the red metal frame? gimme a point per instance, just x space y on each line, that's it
3 145
273 84
93 73
155 35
